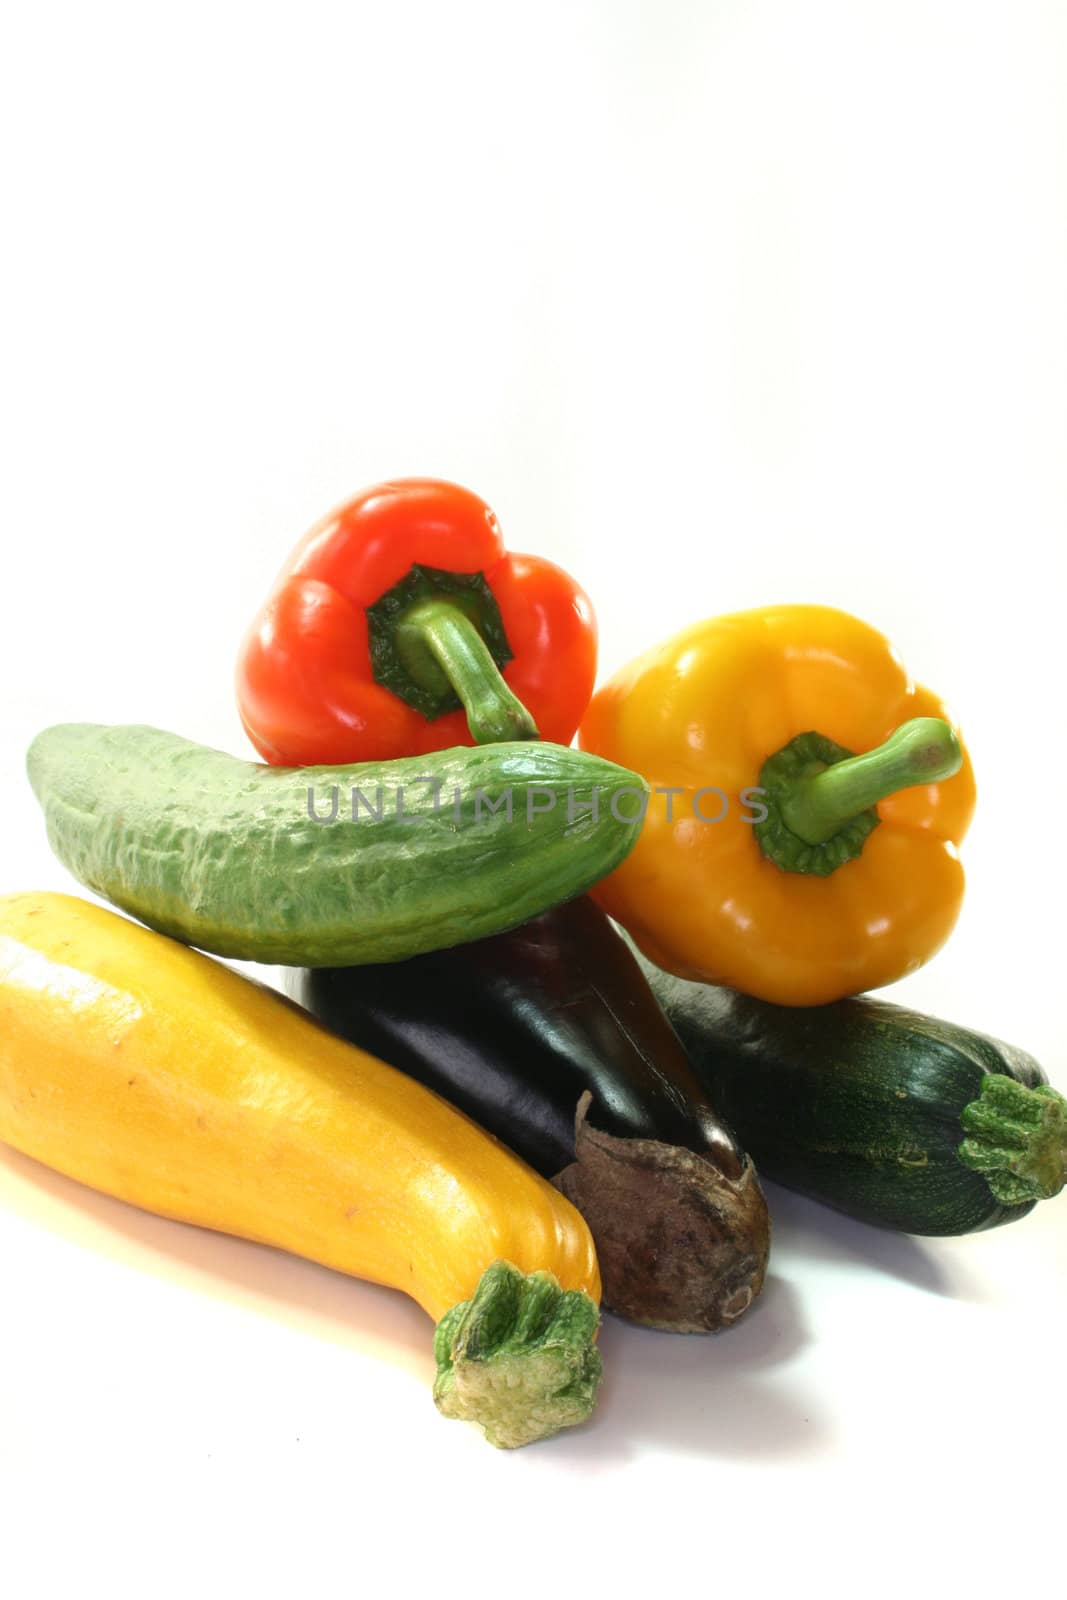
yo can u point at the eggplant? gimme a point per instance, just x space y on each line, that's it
550 1037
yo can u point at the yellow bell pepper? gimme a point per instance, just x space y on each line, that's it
800 842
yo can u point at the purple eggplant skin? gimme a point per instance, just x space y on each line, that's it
550 1037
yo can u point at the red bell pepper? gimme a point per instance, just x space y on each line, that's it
400 625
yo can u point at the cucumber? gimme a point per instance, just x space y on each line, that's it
896 1118
228 855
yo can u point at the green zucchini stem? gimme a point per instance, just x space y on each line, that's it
518 1357
1017 1139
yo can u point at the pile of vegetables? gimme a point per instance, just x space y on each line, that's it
490 1094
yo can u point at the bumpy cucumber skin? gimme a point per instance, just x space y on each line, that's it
223 854
856 1104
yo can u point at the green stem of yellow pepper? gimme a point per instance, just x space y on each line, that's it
924 750
820 798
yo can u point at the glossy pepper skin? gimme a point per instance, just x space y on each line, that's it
354 656
709 709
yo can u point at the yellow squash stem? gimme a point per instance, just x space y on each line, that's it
518 1357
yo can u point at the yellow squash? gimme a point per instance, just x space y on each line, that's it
157 1075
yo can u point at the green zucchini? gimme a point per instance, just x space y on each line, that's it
329 866
896 1118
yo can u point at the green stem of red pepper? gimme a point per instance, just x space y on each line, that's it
436 634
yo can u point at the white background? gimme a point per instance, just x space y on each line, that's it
718 304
